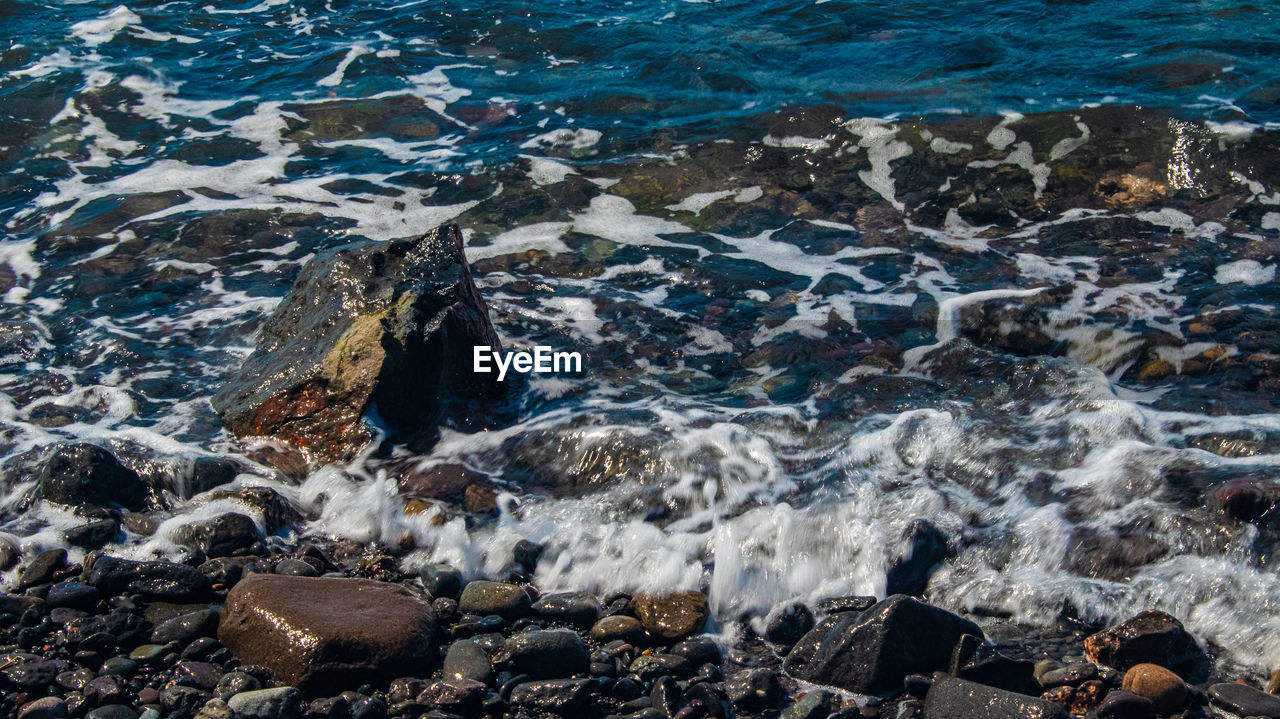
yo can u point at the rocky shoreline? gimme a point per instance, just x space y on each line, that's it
335 631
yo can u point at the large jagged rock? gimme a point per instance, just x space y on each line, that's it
1151 637
312 631
387 325
872 652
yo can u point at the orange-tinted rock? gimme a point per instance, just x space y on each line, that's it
1165 689
326 631
391 324
672 616
1150 637
1087 697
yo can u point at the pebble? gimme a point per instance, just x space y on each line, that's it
622 627
671 616
41 569
46 708
1120 704
1165 689
121 666
296 568
577 608
1244 700
186 628
508 601
466 660
754 689
112 711
281 703
545 654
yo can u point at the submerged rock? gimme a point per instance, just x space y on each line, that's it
312 631
872 652
390 326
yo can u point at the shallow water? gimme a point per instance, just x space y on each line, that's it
826 279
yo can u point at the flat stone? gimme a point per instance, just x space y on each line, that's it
73 595
186 628
577 608
1244 700
41 569
280 703
327 631
620 626
672 616
951 698
155 580
872 652
508 601
545 654
565 696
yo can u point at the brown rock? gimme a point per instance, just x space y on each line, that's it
391 324
1250 500
672 616
1150 637
1063 696
1087 697
325 631
1273 684
1164 688
1155 370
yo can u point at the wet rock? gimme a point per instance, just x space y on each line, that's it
389 324
93 632
787 625
872 652
46 708
754 689
313 631
281 703
698 650
926 548
186 628
627 629
484 598
563 696
112 711
1165 689
1150 637
141 524
836 605
10 553
1087 697
1249 500
976 661
93 535
72 595
544 654
577 608
651 666
671 616
75 474
41 569
1273 683
221 536
460 696
466 660
441 580
296 568
1244 700
1056 675
951 698
233 683
1125 705
156 580
816 704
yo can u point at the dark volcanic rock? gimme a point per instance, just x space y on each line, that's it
544 654
1244 700
186 628
872 652
93 535
578 608
388 324
926 548
41 569
951 698
73 595
1120 704
312 631
88 474
482 597
786 626
975 660
158 580
220 536
1151 637
567 697
672 616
